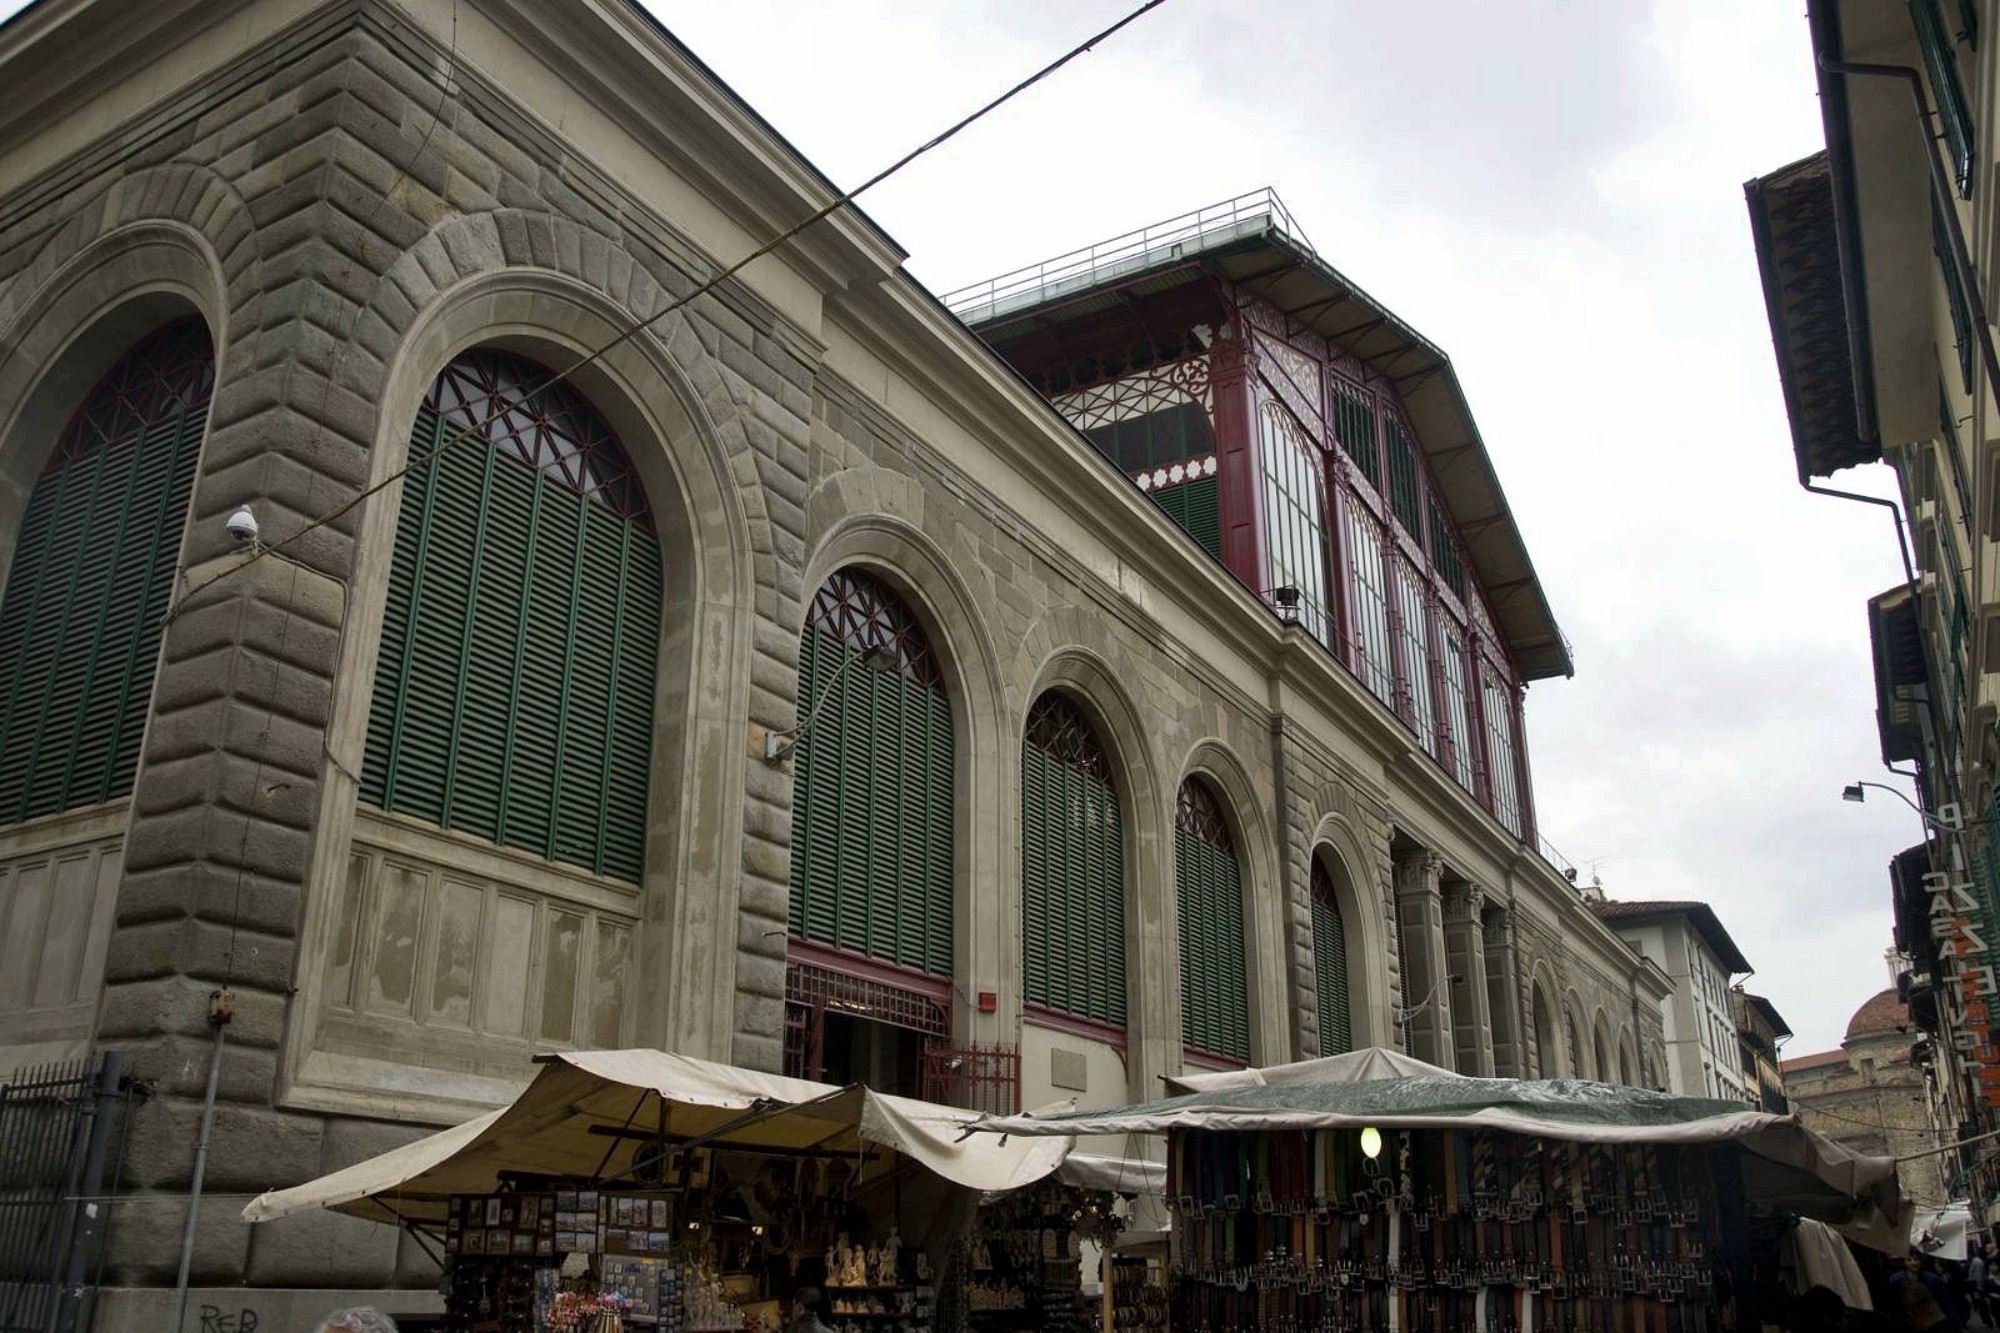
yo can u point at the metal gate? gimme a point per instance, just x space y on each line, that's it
61 1128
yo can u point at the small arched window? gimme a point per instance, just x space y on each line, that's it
1547 1038
1072 866
1215 1000
91 575
1336 1025
520 635
872 791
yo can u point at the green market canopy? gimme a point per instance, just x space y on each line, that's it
1787 1167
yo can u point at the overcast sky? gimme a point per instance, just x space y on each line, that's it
1553 193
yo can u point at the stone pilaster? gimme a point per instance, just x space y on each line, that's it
1465 955
1503 994
1425 1010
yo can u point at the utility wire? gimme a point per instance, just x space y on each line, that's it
633 330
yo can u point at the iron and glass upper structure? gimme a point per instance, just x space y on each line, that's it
1313 443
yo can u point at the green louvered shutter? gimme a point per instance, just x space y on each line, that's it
91 579
1329 951
1197 507
1215 998
872 790
1072 868
1954 112
514 686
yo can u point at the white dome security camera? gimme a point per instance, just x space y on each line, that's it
242 525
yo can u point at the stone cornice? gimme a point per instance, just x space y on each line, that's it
674 105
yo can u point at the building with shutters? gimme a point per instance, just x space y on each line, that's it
809 680
1687 941
1877 268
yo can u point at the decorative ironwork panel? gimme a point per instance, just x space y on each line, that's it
1199 812
815 987
509 402
167 375
1152 418
1058 728
861 612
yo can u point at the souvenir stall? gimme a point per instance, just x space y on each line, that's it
1361 1193
643 1190
1036 1258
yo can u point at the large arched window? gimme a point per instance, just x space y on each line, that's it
91 577
514 691
1336 1023
872 795
1215 991
1072 866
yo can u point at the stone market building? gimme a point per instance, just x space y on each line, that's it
795 684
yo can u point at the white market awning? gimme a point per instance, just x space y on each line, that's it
588 1112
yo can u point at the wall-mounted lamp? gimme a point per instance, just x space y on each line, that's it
1286 600
780 744
1405 1015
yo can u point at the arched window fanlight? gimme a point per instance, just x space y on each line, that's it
1072 866
1215 1001
872 792
91 575
520 634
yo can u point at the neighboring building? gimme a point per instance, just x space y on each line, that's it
1760 1031
1878 278
1686 940
792 686
1877 1095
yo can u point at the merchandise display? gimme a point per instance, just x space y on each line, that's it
1136 1295
1025 1259
1443 1230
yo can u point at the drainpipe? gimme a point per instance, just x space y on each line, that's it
1942 195
222 1007
1961 262
1895 512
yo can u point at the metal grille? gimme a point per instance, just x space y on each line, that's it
1200 813
876 1001
976 1077
861 612
552 429
61 1127
1058 728
166 376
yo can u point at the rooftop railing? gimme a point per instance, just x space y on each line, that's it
1134 251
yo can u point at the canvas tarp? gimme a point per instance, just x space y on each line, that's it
588 1112
1787 1167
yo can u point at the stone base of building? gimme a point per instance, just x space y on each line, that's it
246 1309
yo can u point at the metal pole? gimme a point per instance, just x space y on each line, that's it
90 1187
200 1168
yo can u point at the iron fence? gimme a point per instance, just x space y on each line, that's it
62 1128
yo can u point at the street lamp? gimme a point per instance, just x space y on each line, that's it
1951 821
